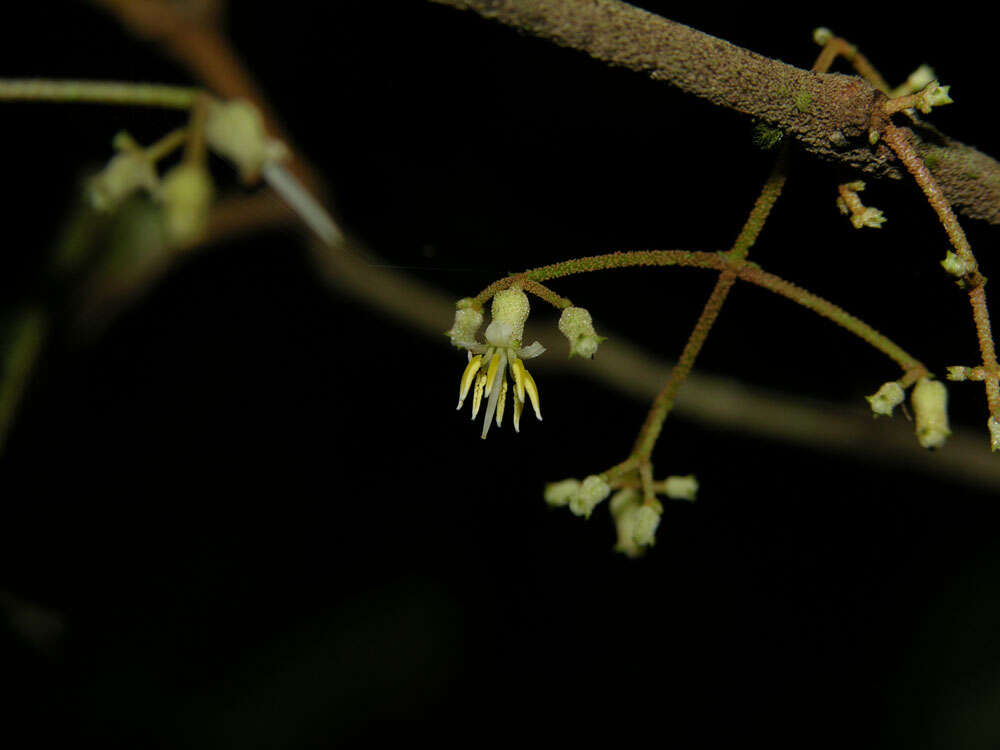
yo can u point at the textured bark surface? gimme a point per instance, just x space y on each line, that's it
828 114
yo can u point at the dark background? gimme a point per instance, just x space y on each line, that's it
252 518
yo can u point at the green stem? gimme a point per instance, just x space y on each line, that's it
746 272
98 92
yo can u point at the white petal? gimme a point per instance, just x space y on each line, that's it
500 377
532 351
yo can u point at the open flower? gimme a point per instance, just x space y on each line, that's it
486 373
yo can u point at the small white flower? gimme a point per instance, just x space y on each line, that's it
486 373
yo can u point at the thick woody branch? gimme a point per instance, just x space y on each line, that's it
828 114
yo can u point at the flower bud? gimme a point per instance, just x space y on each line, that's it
955 265
592 491
647 519
467 321
186 194
681 488
930 412
126 173
510 310
235 130
623 507
577 326
994 427
886 398
561 493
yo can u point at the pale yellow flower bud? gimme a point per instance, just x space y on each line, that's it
681 488
930 412
647 519
886 398
561 493
593 490
468 319
577 326
186 195
235 130
127 173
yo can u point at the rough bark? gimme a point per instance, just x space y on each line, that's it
828 114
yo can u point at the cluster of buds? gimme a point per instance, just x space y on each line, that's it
930 407
636 519
232 129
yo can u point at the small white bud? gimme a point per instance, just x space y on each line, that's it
994 426
958 372
622 501
468 319
127 173
681 488
235 130
558 494
592 491
623 506
510 309
934 95
577 326
647 519
930 412
822 36
886 398
186 195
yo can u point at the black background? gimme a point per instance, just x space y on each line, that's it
254 508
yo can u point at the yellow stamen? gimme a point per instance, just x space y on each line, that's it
467 377
477 393
492 372
518 408
502 400
517 368
532 389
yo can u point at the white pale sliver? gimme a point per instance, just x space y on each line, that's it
491 406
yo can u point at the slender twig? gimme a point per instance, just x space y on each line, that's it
98 92
973 280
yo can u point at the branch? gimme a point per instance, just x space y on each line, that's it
829 114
